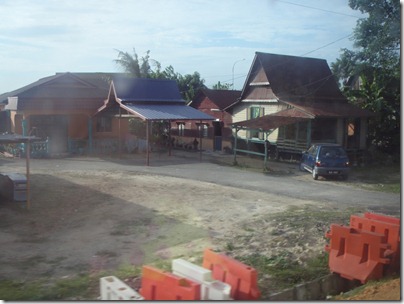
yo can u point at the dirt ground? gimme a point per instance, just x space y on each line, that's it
84 220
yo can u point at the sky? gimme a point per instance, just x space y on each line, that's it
216 38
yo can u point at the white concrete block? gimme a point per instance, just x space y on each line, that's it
112 288
187 269
210 289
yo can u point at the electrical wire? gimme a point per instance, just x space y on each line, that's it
319 9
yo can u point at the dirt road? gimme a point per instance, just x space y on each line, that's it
89 214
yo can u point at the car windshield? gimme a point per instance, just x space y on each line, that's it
332 152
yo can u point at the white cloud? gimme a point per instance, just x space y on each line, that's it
47 36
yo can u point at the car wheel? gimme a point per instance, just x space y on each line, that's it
315 175
301 167
345 177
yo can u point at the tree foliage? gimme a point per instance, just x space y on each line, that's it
376 61
221 86
146 67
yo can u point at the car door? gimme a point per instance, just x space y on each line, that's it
311 157
308 158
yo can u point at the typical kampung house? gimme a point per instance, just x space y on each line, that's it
58 108
289 102
76 112
217 134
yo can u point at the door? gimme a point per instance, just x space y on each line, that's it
217 135
53 127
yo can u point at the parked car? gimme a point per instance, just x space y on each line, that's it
325 160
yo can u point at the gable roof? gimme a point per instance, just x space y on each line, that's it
150 99
295 78
63 91
221 98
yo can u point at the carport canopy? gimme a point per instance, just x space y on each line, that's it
149 100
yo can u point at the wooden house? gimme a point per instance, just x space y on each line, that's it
217 134
58 108
290 102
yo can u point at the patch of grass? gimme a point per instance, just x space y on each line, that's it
125 271
283 272
385 178
81 287
63 289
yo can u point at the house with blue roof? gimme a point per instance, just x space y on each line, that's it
74 112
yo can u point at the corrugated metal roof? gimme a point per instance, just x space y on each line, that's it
166 112
147 90
331 109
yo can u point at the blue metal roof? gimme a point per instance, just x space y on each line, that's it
167 112
147 90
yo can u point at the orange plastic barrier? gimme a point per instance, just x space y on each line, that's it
356 254
242 278
161 285
387 226
383 218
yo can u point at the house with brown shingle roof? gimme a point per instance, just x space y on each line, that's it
217 133
292 102
58 108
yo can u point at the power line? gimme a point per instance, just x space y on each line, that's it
318 9
328 44
319 48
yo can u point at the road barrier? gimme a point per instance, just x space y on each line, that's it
210 289
368 249
242 278
161 285
389 227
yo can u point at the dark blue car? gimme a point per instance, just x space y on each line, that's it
325 160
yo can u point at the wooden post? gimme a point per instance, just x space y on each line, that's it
28 151
200 140
235 147
147 143
119 134
169 138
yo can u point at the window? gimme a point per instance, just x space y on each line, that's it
181 127
255 112
202 129
205 130
104 124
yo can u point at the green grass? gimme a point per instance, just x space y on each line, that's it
81 287
385 178
42 290
283 272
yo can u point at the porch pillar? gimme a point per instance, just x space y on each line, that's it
308 133
200 140
235 148
147 144
119 134
24 125
90 135
169 138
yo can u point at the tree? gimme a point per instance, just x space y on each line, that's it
376 60
221 86
135 67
